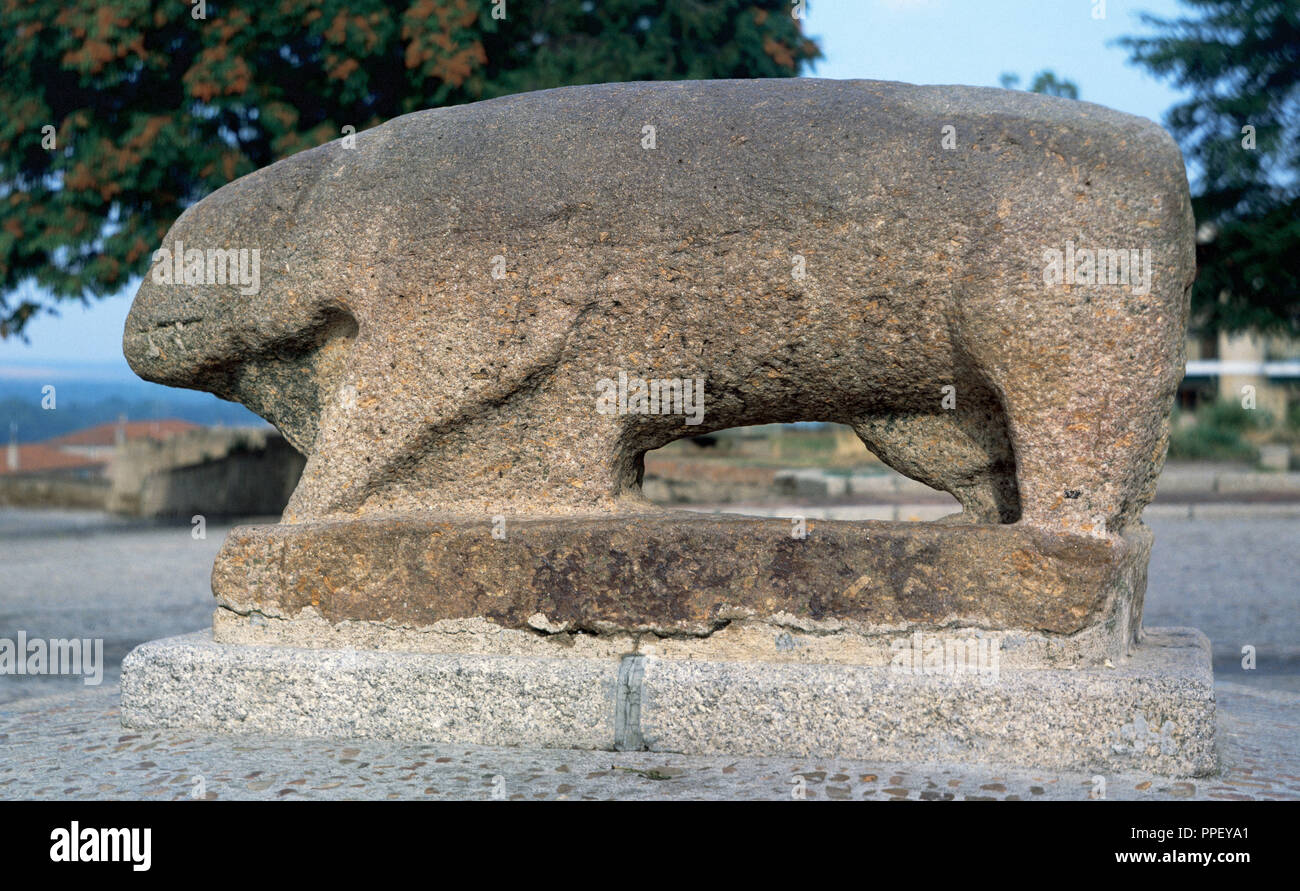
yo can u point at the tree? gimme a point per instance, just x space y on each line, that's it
121 113
1044 82
1240 130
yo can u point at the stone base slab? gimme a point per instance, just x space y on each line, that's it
413 583
1153 712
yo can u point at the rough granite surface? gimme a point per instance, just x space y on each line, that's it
1154 711
442 306
681 581
439 304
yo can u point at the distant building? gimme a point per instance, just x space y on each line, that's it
1221 368
156 468
100 442
72 470
213 471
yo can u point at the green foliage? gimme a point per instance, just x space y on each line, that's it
1230 416
1045 82
1217 433
1209 444
150 108
1240 61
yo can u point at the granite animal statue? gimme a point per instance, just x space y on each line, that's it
990 287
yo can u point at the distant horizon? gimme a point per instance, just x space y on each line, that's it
19 368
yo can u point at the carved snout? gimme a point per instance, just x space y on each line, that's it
218 309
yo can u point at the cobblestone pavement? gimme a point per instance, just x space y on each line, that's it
70 574
1235 576
1238 580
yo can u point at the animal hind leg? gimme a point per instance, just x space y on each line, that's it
964 451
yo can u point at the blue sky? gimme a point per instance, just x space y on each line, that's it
916 41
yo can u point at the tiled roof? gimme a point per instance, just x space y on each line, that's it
58 454
106 434
40 457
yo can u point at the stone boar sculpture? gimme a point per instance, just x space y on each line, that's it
456 312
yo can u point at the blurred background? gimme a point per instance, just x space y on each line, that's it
121 113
